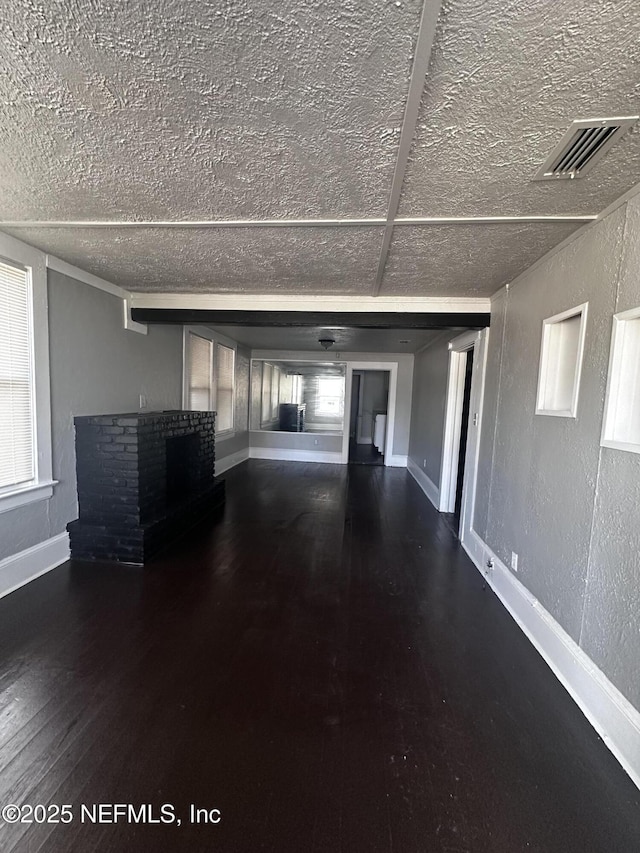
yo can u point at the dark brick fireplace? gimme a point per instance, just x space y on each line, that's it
143 479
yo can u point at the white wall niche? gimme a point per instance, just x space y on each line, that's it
561 363
621 426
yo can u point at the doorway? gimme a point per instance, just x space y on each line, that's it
464 432
465 389
369 407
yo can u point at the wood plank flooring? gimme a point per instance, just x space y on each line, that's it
322 666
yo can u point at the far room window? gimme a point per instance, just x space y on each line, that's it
330 396
224 373
17 409
199 373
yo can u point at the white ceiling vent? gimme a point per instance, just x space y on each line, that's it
582 146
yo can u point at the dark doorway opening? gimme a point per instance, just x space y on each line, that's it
464 431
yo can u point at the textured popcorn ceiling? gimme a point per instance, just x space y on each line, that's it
298 260
506 81
178 108
465 260
305 339
200 110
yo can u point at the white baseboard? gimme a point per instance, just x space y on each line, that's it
425 482
611 714
230 461
396 461
19 569
289 455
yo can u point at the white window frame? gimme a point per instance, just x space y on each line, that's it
216 338
41 487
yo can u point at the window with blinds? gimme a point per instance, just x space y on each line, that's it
199 373
17 422
224 371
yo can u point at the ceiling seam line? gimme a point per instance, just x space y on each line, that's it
296 223
421 59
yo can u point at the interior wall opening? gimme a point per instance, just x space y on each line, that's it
369 411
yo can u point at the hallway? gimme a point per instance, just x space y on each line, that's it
323 667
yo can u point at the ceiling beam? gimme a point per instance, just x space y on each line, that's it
421 58
330 319
296 304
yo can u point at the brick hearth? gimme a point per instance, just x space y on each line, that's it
143 479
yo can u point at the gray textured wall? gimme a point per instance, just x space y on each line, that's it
547 490
96 367
429 401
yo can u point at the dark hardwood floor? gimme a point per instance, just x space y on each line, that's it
322 666
364 454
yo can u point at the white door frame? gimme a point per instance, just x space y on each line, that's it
458 349
392 368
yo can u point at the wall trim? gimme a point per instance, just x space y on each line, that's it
78 274
425 482
285 454
230 461
395 460
18 569
610 713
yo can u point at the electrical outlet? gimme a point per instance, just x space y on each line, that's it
143 401
315 440
424 463
514 561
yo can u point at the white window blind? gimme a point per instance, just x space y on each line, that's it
224 367
17 425
199 373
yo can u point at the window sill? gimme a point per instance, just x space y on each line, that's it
629 446
26 495
557 413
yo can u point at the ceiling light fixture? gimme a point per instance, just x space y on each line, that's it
325 343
